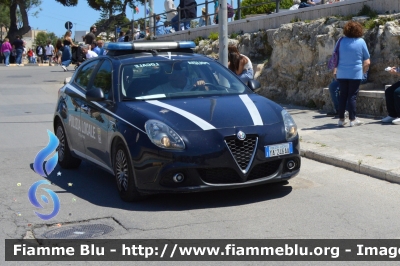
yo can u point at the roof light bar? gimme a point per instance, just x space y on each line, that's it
123 46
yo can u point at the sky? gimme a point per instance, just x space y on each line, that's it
53 16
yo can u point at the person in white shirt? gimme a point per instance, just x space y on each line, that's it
170 6
89 53
49 51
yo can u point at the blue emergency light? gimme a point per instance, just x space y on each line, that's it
138 46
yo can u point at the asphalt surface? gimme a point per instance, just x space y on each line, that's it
322 202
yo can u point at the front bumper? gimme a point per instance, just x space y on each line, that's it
213 167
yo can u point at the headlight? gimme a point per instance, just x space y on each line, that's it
163 136
290 125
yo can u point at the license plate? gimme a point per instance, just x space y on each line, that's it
278 149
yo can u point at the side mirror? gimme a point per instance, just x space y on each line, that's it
254 84
95 95
67 80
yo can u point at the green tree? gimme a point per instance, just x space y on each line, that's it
43 37
250 7
18 15
113 11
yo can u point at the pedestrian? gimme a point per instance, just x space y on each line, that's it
58 50
306 3
66 57
353 63
392 96
240 64
18 46
30 54
40 53
216 10
121 37
334 91
160 28
90 37
205 19
6 49
89 53
49 51
187 12
99 50
170 9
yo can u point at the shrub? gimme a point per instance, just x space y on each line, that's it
213 36
367 11
233 35
197 40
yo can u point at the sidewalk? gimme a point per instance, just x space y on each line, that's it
372 149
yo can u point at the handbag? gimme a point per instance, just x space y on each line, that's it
334 61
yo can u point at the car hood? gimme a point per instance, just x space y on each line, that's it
209 113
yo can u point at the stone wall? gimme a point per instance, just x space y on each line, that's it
295 57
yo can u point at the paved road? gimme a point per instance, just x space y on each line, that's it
323 201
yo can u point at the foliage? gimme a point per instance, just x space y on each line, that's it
4 16
197 40
250 7
367 11
43 37
213 36
286 4
296 19
233 35
372 23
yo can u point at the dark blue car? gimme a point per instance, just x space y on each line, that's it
161 118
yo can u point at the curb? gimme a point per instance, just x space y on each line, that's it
352 166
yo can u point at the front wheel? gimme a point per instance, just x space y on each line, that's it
65 158
124 174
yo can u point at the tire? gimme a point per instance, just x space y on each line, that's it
124 176
65 158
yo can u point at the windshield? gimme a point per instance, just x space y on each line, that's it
178 78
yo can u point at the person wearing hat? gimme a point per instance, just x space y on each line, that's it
205 19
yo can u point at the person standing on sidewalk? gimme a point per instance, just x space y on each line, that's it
392 95
187 12
353 63
90 37
6 49
18 45
49 51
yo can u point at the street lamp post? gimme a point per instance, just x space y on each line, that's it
75 33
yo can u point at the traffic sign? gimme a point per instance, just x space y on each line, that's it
68 25
118 30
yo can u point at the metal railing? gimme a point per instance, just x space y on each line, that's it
238 13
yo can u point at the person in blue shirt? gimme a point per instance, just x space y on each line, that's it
353 63
205 19
160 28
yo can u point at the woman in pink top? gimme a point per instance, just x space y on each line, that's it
6 49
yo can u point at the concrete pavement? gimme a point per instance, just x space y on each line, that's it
372 149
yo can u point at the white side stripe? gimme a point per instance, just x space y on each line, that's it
251 107
195 119
104 109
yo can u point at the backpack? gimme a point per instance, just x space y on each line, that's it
231 11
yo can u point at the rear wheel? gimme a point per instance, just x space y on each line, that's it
65 158
124 174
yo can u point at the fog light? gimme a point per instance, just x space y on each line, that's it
165 141
179 177
290 165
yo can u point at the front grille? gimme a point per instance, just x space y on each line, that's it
219 176
264 170
242 151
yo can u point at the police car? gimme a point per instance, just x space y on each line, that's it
161 118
